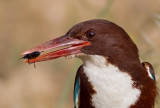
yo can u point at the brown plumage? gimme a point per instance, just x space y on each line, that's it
108 40
115 44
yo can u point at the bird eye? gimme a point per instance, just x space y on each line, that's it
90 34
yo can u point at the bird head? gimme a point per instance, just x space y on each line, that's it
93 37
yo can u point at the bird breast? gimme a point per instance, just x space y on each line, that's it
114 88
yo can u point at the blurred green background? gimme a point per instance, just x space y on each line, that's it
27 23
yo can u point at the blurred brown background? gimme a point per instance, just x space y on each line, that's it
27 23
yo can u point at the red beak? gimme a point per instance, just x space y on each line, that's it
72 46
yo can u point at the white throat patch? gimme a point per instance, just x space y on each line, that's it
114 87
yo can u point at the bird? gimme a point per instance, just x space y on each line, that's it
112 75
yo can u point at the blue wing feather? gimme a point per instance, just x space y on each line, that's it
149 68
77 89
76 92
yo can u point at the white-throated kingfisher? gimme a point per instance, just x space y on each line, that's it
111 75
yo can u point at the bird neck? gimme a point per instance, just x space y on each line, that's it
114 88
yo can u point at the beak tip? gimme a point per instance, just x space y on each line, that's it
23 53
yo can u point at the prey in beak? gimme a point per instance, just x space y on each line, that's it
66 46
